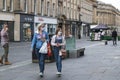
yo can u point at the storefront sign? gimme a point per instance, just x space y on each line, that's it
73 22
26 18
45 20
7 16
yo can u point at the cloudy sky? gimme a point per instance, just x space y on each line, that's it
115 3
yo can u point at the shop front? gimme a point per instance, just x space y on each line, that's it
85 30
74 27
8 18
26 27
50 24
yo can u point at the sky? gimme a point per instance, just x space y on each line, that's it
115 3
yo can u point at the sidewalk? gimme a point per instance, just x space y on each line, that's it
99 63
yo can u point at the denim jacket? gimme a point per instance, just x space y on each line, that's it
37 39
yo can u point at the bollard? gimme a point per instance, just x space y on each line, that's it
106 42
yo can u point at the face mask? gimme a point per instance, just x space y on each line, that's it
59 33
42 29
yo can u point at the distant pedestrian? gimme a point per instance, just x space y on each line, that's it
102 35
39 38
5 45
58 41
114 37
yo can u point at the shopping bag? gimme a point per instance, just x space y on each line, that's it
49 50
43 49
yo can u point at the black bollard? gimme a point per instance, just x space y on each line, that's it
106 42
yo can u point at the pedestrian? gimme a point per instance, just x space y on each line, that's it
5 45
58 41
114 37
39 38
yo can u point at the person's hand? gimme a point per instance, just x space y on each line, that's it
43 39
57 45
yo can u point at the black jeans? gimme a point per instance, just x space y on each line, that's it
114 40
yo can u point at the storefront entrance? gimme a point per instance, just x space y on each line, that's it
27 31
26 27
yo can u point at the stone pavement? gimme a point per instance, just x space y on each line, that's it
101 62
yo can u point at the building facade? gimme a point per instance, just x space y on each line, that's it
74 16
106 14
86 16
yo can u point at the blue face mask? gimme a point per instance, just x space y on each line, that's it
43 29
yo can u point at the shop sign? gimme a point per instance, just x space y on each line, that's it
26 18
73 22
7 16
45 20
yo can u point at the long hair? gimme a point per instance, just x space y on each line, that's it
38 27
58 29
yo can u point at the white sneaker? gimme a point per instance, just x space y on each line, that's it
58 73
41 74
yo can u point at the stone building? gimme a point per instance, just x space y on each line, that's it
106 14
87 8
74 16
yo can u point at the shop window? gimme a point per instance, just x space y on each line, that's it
51 29
4 5
26 32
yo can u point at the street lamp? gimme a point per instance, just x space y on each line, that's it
79 24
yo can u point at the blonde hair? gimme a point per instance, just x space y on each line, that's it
38 26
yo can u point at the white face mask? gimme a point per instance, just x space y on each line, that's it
59 33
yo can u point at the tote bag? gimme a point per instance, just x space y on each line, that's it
43 49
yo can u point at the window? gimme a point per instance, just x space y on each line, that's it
53 10
42 7
48 8
64 10
68 13
4 5
35 7
25 6
11 5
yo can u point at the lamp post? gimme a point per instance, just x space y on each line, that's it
79 24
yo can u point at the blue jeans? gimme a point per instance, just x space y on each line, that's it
41 59
58 59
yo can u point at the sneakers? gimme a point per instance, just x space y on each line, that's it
7 63
41 74
59 74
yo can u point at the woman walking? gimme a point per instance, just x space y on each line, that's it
39 38
58 41
5 45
